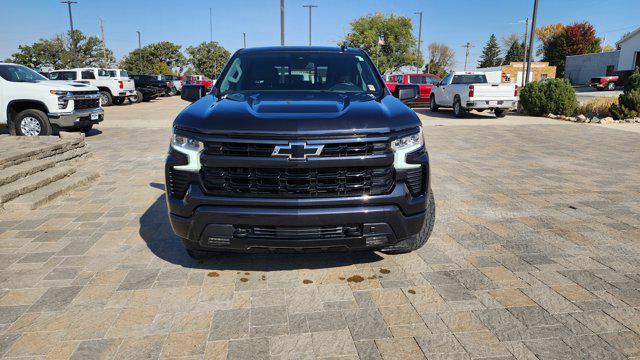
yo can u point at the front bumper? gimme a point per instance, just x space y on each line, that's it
76 118
500 104
207 222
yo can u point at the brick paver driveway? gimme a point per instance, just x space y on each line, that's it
535 253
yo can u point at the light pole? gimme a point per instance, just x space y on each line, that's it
466 58
310 7
419 35
244 39
210 26
139 51
531 39
282 22
73 39
526 32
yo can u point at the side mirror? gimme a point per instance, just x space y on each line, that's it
192 92
407 92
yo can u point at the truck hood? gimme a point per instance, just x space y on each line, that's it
65 85
297 113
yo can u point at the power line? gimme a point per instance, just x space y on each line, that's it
310 7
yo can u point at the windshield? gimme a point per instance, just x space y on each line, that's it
300 71
469 79
19 73
63 75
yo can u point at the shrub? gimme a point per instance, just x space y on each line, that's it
597 107
553 96
629 102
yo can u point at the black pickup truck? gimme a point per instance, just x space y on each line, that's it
149 86
299 149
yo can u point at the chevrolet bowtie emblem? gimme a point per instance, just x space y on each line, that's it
297 150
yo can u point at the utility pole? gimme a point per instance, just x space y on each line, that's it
139 51
73 39
466 58
210 26
531 39
604 42
282 22
104 47
419 35
244 39
310 7
526 33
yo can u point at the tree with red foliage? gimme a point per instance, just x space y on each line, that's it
576 39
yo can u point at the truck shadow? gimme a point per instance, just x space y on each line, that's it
156 231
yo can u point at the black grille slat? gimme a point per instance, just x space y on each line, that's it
303 182
415 181
298 233
81 104
240 149
178 183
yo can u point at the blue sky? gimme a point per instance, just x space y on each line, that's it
187 22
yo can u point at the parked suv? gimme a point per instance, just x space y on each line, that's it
32 105
151 82
295 149
113 91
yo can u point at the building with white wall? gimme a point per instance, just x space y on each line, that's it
629 51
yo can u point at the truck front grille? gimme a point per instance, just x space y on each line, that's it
81 104
340 149
292 182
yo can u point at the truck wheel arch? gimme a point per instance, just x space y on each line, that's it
14 107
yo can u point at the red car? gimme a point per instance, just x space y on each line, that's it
425 81
198 80
610 82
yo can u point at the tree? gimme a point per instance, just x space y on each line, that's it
143 60
399 43
58 52
514 54
546 33
162 69
575 39
490 54
508 40
441 59
208 58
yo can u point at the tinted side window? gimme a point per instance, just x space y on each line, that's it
417 79
63 75
88 74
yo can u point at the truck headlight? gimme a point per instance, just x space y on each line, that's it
63 98
190 147
404 145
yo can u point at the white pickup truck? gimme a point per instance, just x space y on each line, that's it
32 105
113 90
469 90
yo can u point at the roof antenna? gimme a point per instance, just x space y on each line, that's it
343 48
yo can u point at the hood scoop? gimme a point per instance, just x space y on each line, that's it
311 104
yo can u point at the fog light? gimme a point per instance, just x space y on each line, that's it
375 240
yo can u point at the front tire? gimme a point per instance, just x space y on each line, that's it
433 106
106 99
458 111
418 240
32 123
500 113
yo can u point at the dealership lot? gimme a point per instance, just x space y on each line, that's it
534 252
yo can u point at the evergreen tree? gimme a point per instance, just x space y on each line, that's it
490 54
515 53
